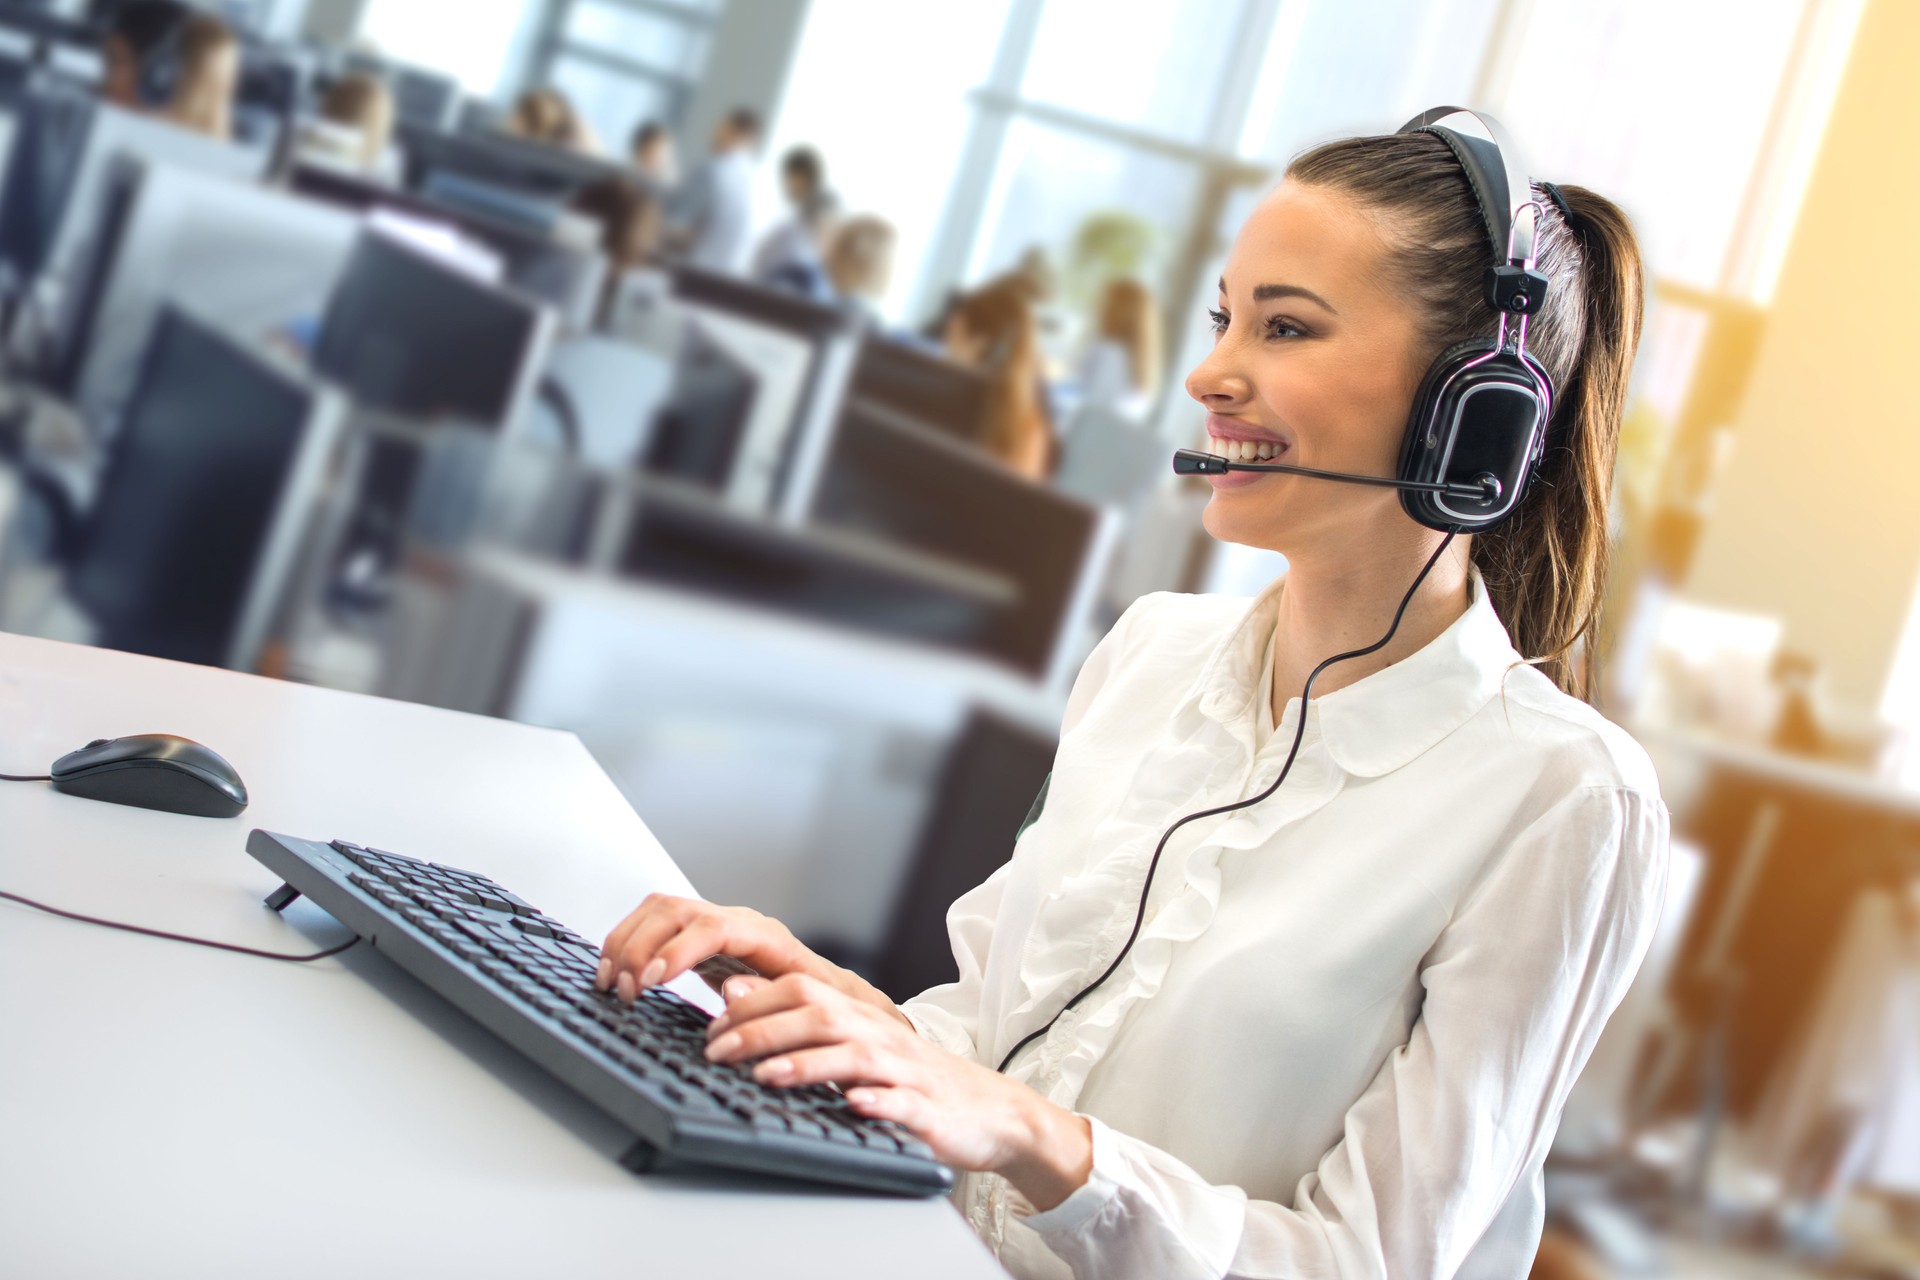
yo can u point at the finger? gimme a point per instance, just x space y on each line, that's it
704 936
734 990
778 1032
906 1107
765 997
630 964
654 908
852 1063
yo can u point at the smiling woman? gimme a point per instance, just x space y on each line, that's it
1321 1029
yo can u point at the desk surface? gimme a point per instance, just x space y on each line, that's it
168 1110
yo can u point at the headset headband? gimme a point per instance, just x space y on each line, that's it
1492 164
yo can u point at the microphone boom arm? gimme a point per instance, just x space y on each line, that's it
1192 462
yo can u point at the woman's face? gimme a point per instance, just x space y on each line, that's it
1315 363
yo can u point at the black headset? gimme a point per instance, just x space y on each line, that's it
1477 429
1482 410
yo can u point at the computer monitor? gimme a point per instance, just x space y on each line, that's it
892 479
923 385
684 539
421 98
801 354
263 261
565 277
204 500
699 433
533 168
61 163
407 333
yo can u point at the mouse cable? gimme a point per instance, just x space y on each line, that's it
176 937
1299 731
15 777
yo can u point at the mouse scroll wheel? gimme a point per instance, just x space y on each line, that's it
98 742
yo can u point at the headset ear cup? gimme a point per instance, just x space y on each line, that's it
1479 411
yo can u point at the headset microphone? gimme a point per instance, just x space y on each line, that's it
1483 488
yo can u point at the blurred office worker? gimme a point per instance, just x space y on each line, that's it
711 214
209 76
651 152
992 329
140 41
859 263
355 127
789 254
1328 1030
547 115
1119 370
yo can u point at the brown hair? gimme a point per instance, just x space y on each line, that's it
209 74
365 103
1000 314
1129 318
1546 567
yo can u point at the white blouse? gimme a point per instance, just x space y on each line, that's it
1341 1044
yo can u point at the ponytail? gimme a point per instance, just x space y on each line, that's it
1546 567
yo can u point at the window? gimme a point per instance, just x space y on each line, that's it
471 40
1144 63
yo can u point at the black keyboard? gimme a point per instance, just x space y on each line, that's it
529 979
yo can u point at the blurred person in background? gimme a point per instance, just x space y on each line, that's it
651 153
547 115
1120 369
141 35
992 330
209 77
630 218
355 127
1343 1040
789 254
859 264
710 216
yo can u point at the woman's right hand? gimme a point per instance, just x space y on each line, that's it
666 936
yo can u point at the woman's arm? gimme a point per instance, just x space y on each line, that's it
1517 989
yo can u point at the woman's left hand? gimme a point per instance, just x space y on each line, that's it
803 1031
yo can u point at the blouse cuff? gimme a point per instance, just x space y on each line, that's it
1090 1197
938 1027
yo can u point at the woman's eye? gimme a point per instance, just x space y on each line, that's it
1281 327
1218 320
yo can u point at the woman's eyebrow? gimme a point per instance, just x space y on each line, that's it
1268 292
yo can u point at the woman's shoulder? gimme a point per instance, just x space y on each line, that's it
1161 635
1587 748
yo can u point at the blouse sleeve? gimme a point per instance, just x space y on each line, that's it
948 1015
1517 987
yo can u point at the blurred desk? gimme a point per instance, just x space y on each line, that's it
789 763
175 1111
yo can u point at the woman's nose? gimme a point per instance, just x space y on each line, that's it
1216 381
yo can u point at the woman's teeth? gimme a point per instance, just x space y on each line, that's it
1243 450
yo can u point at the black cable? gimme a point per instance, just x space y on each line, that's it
1299 732
176 937
15 777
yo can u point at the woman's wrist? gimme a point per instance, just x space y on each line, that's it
1052 1154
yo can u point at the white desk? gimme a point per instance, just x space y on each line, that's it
168 1110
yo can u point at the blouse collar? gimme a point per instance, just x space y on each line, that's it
1379 723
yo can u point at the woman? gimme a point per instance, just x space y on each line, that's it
992 329
1343 1036
362 103
547 115
1120 369
859 264
209 77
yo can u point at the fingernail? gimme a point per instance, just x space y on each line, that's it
605 976
625 986
859 1097
777 1069
652 973
737 988
723 1047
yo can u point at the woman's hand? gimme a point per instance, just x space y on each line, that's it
804 1031
665 936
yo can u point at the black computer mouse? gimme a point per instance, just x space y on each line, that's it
152 771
